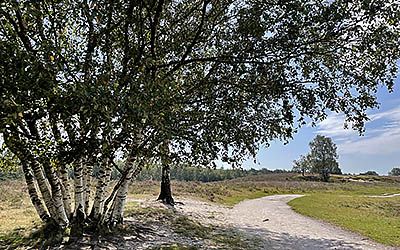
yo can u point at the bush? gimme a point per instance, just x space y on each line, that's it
395 171
370 173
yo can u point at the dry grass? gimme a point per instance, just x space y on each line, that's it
233 191
18 217
16 209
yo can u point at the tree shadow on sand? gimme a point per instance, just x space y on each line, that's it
273 240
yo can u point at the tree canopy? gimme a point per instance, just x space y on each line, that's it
302 165
395 171
322 158
88 82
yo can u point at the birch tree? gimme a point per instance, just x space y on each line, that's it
84 83
323 158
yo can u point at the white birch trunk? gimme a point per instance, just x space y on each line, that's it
87 178
79 190
66 190
57 196
44 189
102 182
117 212
33 193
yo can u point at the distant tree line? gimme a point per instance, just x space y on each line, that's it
184 173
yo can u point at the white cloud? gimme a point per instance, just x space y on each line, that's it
333 126
382 134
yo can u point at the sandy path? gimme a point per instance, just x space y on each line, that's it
384 196
277 225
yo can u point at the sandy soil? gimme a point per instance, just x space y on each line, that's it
384 196
277 225
264 223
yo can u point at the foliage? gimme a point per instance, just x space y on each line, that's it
184 173
395 172
322 158
302 165
9 164
370 172
84 82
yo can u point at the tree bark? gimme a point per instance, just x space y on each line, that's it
165 192
117 213
33 193
87 178
102 181
44 189
78 180
56 192
66 190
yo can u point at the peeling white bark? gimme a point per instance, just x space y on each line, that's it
79 189
102 182
87 179
120 200
57 195
33 193
66 190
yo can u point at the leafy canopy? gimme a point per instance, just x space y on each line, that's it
395 171
216 79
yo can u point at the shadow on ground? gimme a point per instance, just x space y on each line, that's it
274 240
164 227
155 228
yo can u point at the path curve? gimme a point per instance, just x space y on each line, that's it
384 196
277 226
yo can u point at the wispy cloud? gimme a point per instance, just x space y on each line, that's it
382 134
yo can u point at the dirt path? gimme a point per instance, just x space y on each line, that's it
277 225
384 196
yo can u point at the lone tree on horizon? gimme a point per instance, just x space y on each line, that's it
395 171
86 82
323 157
302 165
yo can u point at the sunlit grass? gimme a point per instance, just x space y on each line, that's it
16 210
377 218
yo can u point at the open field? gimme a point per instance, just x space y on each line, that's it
344 203
377 218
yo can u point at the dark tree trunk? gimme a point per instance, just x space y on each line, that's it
165 193
325 175
78 222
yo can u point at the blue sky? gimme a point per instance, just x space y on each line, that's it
378 149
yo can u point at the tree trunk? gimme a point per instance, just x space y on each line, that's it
165 193
56 193
87 179
325 175
44 189
66 190
117 212
79 202
33 194
102 182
